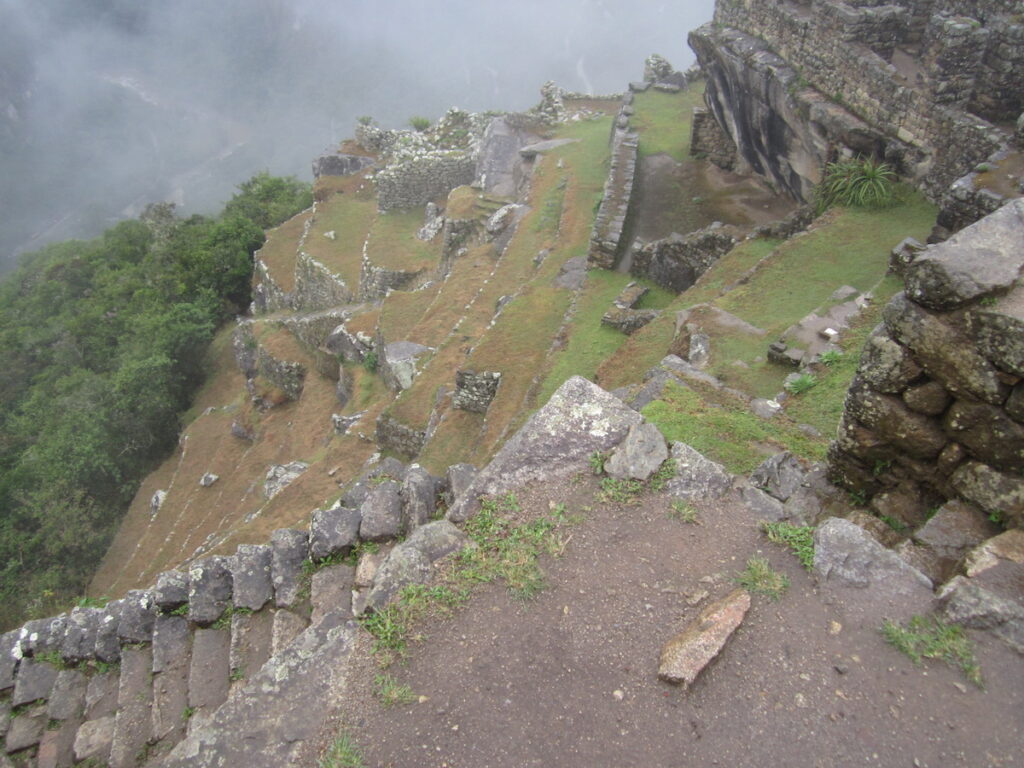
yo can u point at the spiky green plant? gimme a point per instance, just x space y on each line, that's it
858 183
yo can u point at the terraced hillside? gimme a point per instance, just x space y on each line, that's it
431 333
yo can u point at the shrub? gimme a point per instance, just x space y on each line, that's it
419 123
860 183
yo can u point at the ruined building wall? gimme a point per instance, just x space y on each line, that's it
937 405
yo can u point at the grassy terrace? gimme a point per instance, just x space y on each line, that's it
349 213
393 243
280 251
663 121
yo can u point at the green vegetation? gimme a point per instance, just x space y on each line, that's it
343 753
663 121
799 538
104 345
390 692
418 123
726 431
627 491
928 637
760 578
684 512
802 383
861 183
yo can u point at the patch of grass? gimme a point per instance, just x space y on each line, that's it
390 692
187 713
343 753
799 538
393 243
597 460
802 383
759 577
684 512
897 525
53 658
830 357
625 491
725 431
663 120
928 637
861 182
236 674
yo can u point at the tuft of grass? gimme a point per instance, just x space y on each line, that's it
187 713
615 491
343 753
928 637
830 357
799 538
597 460
684 512
860 183
759 577
802 383
390 692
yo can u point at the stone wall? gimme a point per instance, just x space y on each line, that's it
317 287
267 296
392 435
287 376
707 139
415 181
475 391
827 48
339 164
676 262
607 237
937 405
375 282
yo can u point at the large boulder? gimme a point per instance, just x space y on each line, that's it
580 419
780 476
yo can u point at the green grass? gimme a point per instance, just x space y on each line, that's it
663 120
726 431
684 512
928 637
343 753
390 692
393 243
760 578
799 538
805 382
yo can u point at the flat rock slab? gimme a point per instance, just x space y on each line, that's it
26 729
686 655
251 639
134 703
67 699
578 420
846 554
331 591
1006 547
210 669
287 626
266 723
290 549
954 529
697 477
94 738
250 570
35 681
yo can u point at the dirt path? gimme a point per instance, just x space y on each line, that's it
570 679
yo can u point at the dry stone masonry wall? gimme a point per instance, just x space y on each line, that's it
606 239
916 113
937 406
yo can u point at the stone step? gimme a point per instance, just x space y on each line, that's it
251 640
134 706
172 655
209 673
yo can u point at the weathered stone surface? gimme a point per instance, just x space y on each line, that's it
457 479
108 643
687 654
404 565
381 512
696 477
56 747
943 351
209 672
803 507
172 643
26 729
94 738
988 433
762 505
101 695
779 476
67 698
138 611
930 398
170 702
333 531
995 492
954 529
280 476
8 659
281 708
80 636
209 589
1008 546
171 590
845 554
889 418
35 681
985 258
331 591
252 585
965 602
389 467
638 456
677 261
419 498
398 364
43 635
1015 403
132 724
287 626
437 539
289 549
474 391
999 331
252 636
578 420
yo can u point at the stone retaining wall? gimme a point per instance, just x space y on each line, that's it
420 179
606 238
676 262
937 405
317 287
707 139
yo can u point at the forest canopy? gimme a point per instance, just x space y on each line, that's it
103 343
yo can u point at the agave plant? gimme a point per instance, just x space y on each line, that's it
860 183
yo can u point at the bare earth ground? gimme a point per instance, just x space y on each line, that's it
570 678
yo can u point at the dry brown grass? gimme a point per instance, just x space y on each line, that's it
281 250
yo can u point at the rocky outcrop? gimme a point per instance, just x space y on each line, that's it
677 261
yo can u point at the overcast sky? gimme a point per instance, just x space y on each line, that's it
106 105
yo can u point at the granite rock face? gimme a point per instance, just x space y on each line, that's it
578 420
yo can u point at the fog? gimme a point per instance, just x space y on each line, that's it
106 105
